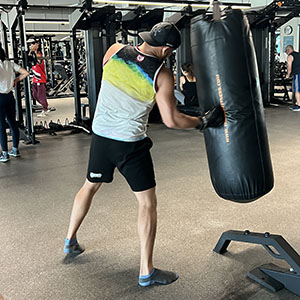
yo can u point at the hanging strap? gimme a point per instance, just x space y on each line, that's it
215 5
216 10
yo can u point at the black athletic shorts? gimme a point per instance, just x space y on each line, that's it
132 159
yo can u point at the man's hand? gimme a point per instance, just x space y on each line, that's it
212 118
15 82
34 47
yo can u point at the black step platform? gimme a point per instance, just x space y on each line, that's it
269 275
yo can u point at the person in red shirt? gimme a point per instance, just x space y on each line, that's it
39 79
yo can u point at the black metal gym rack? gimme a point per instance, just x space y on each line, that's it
264 23
99 36
101 26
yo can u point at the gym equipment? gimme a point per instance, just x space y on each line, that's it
56 126
270 276
281 83
53 127
100 29
225 64
264 22
12 21
64 81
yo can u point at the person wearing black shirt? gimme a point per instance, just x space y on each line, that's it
293 67
188 85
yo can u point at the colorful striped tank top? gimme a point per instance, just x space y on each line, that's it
127 95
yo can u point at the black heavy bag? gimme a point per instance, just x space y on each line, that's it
226 70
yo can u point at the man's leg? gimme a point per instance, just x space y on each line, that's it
296 88
297 95
147 222
82 203
81 206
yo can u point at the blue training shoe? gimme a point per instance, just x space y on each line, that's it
72 247
158 277
14 152
4 157
291 107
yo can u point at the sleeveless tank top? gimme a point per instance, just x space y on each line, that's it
296 63
127 95
190 93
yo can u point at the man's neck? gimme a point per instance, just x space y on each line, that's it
149 50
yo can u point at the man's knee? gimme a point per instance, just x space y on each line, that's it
147 199
91 187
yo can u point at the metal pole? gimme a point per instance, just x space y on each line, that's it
29 118
14 49
78 117
3 37
272 62
51 62
95 46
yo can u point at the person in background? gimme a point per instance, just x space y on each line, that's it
8 105
59 54
293 68
188 85
39 80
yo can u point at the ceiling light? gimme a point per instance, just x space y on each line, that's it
143 3
49 32
164 4
64 38
47 22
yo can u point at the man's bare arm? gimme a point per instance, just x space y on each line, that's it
290 60
166 102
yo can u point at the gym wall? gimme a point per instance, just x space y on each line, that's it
289 38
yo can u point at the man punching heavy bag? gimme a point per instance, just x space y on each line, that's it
226 70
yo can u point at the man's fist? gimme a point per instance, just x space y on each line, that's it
215 117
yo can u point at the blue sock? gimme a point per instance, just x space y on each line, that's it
14 148
157 277
146 276
70 242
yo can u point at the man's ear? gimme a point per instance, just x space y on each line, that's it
167 51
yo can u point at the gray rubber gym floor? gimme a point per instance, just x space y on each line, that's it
37 193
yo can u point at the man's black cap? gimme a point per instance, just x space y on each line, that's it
162 34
